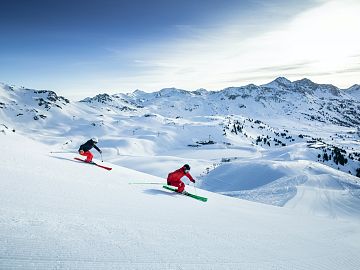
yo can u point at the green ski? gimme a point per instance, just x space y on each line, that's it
203 199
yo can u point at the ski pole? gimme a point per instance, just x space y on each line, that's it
149 183
195 189
101 157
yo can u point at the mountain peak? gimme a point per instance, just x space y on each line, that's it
282 80
355 87
354 91
170 92
305 81
6 87
101 98
138 92
200 92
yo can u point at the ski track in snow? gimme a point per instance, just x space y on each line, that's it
326 195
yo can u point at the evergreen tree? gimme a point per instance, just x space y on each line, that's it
358 172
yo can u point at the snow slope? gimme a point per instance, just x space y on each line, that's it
56 213
265 145
305 186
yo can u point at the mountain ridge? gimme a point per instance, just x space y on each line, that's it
271 115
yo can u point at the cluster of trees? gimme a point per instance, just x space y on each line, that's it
266 140
205 142
37 117
339 156
238 127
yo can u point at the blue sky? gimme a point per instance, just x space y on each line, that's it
80 48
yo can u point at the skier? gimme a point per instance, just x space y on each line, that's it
84 149
174 178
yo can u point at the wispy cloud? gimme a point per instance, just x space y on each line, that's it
319 40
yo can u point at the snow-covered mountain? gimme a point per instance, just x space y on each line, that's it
300 99
354 91
277 114
29 103
303 98
290 151
280 113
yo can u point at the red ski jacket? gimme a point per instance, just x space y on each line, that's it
178 174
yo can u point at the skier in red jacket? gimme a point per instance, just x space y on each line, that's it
174 178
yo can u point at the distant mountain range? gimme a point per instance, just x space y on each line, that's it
280 98
280 113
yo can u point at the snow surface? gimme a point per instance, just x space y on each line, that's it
57 213
284 208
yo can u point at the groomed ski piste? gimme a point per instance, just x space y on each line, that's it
57 213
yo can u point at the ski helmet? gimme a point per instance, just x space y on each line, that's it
186 167
95 139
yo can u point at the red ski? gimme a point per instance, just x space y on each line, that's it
93 163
